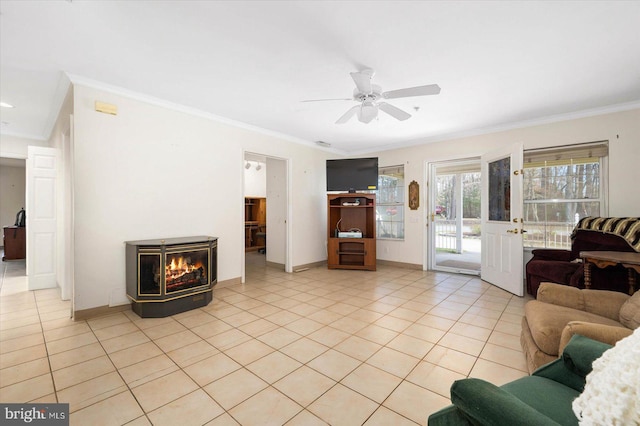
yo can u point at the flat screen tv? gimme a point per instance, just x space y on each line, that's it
353 174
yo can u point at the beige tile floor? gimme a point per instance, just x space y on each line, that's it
314 347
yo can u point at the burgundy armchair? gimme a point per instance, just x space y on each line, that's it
565 266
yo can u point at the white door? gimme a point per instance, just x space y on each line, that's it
41 174
277 211
501 215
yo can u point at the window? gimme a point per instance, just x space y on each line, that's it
561 186
390 203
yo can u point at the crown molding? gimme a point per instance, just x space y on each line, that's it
593 112
141 97
83 81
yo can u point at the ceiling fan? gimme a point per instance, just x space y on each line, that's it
368 96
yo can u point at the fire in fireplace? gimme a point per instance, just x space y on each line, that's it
183 272
165 277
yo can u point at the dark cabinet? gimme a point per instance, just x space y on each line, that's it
15 245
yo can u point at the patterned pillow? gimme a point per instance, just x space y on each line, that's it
630 312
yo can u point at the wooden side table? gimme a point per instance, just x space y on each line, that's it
602 259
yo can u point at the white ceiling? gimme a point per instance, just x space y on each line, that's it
500 64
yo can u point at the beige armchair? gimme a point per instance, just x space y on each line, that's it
562 311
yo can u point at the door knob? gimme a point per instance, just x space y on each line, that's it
512 231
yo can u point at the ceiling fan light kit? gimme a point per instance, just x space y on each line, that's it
368 96
368 111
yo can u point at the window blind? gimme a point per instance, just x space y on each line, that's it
568 154
395 171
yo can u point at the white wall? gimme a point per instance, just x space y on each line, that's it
16 147
621 129
12 195
255 181
154 172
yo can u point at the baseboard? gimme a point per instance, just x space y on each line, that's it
275 265
100 311
321 263
298 268
227 283
399 264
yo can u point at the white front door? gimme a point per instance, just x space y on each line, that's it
41 172
501 215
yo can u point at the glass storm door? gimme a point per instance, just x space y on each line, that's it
454 217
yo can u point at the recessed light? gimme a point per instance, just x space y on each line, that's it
5 105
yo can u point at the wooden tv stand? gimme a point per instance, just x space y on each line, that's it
351 212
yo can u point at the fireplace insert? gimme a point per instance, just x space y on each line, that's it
173 275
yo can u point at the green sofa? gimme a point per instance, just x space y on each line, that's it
544 398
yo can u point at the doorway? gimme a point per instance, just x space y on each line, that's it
13 274
265 195
454 217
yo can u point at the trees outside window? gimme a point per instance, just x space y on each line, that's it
390 203
446 195
559 189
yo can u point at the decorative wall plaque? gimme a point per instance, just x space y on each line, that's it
414 195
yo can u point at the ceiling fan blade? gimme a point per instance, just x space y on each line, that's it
363 80
395 112
347 115
322 100
431 89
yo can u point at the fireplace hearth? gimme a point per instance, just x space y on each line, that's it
169 276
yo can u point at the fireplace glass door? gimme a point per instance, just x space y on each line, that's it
149 274
186 269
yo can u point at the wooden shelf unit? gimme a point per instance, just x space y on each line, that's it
351 253
255 223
